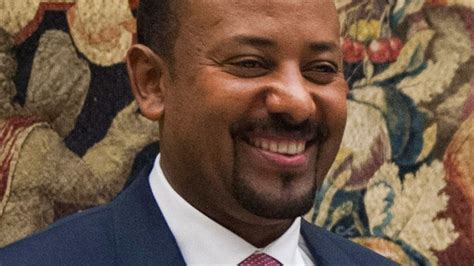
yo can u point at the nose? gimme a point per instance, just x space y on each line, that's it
287 95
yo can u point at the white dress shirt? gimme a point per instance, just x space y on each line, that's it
202 241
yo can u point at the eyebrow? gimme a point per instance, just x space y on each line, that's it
319 47
254 41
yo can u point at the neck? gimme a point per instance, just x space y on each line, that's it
260 235
259 232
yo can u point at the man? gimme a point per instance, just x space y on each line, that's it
250 99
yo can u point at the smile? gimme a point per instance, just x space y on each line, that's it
280 153
286 147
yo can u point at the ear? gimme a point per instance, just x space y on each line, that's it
147 72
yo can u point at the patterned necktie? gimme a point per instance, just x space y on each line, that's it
260 259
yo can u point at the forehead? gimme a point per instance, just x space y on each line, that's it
211 19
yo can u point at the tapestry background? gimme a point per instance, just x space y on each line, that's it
402 183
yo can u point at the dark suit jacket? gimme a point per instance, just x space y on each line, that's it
131 230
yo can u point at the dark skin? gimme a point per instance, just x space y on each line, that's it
251 112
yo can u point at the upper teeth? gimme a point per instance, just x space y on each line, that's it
284 147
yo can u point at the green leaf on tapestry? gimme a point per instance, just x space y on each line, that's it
399 120
411 57
403 8
405 124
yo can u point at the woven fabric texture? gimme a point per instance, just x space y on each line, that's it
402 183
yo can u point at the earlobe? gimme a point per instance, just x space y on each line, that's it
147 72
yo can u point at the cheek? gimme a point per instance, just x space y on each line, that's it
227 102
333 104
227 98
203 115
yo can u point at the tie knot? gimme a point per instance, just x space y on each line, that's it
260 259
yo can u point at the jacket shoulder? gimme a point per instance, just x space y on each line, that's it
73 240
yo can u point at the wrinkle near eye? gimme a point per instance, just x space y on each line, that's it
210 61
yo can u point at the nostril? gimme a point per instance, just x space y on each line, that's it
296 104
286 120
286 123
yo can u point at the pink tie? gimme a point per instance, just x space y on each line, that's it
260 259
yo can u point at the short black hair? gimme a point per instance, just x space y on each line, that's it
157 26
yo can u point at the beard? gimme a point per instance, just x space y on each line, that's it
281 204
291 197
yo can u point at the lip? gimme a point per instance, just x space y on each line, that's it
281 162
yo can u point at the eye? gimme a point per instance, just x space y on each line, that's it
326 68
247 67
320 72
248 64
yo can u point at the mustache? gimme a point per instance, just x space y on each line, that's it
279 124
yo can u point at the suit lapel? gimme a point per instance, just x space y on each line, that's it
142 236
322 248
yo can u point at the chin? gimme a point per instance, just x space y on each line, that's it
288 201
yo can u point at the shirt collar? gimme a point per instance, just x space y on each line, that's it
203 241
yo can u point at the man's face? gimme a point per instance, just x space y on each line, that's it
256 106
